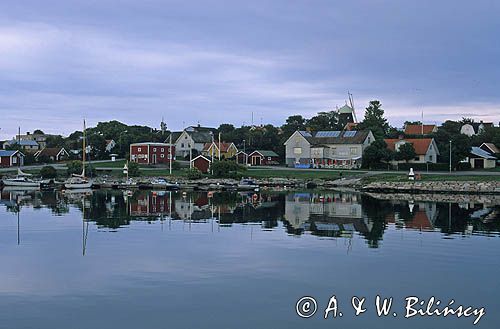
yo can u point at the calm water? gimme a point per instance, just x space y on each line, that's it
230 260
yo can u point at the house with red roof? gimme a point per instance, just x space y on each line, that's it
422 129
425 148
227 150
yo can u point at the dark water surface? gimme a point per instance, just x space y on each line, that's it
229 260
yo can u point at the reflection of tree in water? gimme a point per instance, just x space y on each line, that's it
376 212
54 201
108 209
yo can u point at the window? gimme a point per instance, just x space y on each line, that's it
182 145
297 150
417 158
162 149
162 155
333 150
14 160
268 158
154 149
430 158
138 149
354 150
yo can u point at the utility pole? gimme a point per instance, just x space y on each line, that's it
450 155
219 146
170 155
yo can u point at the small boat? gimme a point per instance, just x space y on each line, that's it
247 184
78 182
164 184
21 180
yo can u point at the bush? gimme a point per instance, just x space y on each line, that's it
75 168
48 172
133 169
194 173
176 165
227 169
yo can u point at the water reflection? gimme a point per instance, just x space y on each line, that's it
322 214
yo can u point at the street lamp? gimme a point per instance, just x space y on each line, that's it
450 155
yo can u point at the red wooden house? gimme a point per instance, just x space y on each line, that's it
201 163
263 158
11 158
151 153
242 158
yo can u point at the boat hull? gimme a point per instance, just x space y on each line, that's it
78 186
8 182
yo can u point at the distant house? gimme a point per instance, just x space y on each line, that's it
201 163
263 158
242 158
422 129
192 138
425 148
227 150
327 149
151 153
110 144
41 139
26 145
475 128
52 153
490 148
11 158
481 159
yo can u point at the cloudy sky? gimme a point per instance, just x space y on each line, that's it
219 61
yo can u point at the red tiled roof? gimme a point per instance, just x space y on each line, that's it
419 221
417 129
224 147
350 126
421 145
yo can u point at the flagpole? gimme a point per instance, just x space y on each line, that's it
170 155
219 146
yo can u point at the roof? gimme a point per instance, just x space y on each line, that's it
421 145
175 136
492 147
151 143
224 147
201 156
8 153
350 126
201 136
477 151
346 109
200 129
417 129
50 151
335 137
23 142
266 153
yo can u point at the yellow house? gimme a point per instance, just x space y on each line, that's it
227 150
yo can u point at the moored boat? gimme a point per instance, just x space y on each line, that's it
80 181
248 184
21 180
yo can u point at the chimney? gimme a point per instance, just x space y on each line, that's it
28 133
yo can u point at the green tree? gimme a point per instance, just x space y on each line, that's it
133 169
292 124
227 169
406 152
38 132
324 121
55 141
374 120
48 172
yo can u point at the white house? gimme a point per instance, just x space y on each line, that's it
327 149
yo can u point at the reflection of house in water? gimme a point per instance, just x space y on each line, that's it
420 216
152 204
332 214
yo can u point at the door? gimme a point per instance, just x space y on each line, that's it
478 163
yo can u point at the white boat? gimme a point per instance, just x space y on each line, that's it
80 181
21 180
247 184
164 184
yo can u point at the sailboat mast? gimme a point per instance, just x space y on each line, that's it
84 150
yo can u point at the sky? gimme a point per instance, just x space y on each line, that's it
213 62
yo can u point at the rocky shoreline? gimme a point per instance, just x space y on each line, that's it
451 187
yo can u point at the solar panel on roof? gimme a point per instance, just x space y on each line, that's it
305 134
350 133
328 134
